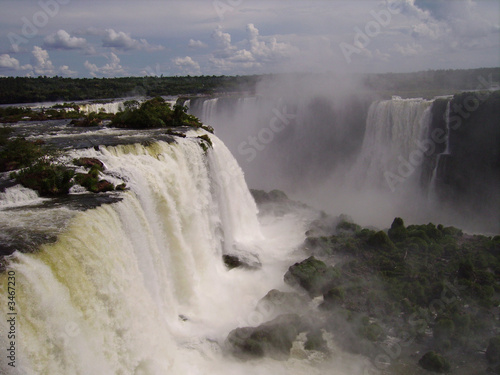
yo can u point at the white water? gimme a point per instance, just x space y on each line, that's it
19 196
432 185
108 296
393 129
112 107
371 188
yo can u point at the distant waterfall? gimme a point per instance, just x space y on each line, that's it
393 130
432 184
112 107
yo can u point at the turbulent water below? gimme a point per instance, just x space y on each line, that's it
139 286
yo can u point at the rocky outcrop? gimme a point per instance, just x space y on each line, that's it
313 275
273 339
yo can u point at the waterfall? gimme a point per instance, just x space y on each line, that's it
209 110
112 107
393 129
432 185
447 120
139 286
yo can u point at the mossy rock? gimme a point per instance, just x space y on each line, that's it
89 163
313 275
91 182
121 187
274 338
432 361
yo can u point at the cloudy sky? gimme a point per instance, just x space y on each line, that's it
108 38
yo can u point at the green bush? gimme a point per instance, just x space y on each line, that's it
380 240
154 113
46 178
19 153
397 232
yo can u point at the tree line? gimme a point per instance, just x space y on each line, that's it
41 89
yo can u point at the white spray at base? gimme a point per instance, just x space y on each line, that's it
139 287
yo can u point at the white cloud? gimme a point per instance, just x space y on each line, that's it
62 40
66 71
7 62
196 44
42 63
222 40
123 41
113 68
413 49
254 52
187 65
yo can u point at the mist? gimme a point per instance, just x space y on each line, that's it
329 141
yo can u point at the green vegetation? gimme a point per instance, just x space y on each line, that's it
15 114
42 89
92 119
18 153
313 275
428 84
434 284
434 362
154 113
206 142
46 177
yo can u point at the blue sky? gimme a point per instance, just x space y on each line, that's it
113 38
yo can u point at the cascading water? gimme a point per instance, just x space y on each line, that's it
139 286
113 107
209 110
432 184
393 129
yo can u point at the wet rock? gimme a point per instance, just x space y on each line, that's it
276 303
273 339
233 261
89 163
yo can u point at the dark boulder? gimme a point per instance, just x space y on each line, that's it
274 338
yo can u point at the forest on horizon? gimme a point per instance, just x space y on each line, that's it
427 84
